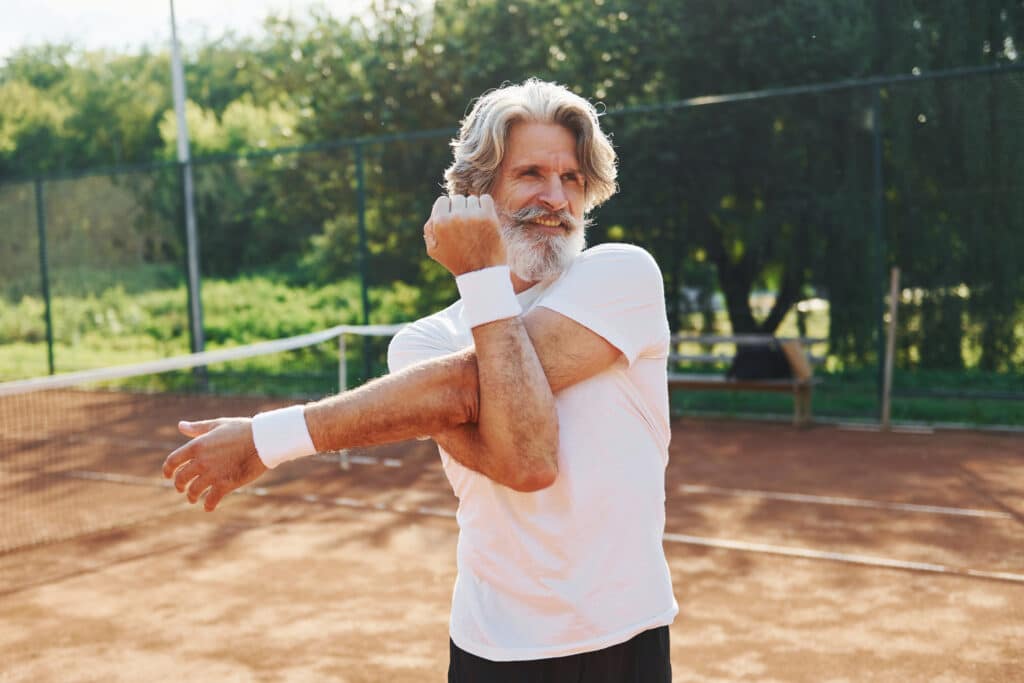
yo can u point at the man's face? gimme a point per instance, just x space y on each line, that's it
539 195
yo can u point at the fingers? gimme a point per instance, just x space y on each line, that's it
215 491
442 206
445 205
428 235
487 204
186 474
213 498
186 452
192 480
176 459
198 485
196 428
219 458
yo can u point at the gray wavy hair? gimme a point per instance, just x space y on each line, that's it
480 146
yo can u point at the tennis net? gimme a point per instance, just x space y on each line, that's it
68 441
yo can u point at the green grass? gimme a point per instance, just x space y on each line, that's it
854 395
116 327
839 398
144 318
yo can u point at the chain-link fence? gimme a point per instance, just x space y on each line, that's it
776 211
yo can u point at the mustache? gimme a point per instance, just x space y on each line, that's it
530 214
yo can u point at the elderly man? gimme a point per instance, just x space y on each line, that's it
544 387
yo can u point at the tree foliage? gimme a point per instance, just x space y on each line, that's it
775 193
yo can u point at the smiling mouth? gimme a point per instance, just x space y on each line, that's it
549 225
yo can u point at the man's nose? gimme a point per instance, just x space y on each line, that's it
553 197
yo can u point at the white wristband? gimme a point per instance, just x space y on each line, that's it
487 295
281 435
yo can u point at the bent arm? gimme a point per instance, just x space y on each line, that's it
568 353
499 387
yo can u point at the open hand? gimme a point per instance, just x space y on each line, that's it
463 234
220 457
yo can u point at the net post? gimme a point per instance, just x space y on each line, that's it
343 462
342 365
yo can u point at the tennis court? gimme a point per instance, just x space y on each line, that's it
797 555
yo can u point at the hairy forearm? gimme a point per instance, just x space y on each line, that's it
517 425
423 399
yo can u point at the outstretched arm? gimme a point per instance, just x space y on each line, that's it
222 456
434 396
500 386
505 396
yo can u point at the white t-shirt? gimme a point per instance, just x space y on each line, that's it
578 566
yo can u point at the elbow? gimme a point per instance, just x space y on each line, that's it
541 470
537 479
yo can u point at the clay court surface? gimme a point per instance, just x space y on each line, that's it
797 555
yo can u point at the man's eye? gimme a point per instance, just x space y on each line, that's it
533 173
571 177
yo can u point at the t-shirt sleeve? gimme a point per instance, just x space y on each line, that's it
420 341
616 290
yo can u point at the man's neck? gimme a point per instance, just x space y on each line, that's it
520 285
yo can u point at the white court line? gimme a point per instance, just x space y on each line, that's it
897 429
260 491
374 460
113 441
848 502
867 560
349 459
805 553
118 478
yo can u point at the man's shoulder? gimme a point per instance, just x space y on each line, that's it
616 252
441 324
620 258
435 335
438 321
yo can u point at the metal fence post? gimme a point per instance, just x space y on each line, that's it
879 219
44 270
363 253
195 301
890 346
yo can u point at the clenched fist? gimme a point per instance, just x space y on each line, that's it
463 234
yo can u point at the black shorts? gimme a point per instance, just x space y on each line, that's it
642 659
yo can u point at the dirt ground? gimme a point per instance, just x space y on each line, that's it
797 555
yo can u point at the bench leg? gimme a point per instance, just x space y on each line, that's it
802 407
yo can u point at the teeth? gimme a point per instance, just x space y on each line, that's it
550 223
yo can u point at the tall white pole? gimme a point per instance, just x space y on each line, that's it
185 164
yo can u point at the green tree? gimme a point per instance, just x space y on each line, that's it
953 164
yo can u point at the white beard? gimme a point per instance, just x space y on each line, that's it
535 256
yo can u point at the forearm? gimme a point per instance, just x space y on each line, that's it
225 454
517 421
422 399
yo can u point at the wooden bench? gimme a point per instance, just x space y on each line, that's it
801 385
